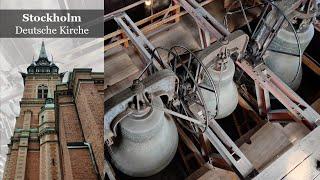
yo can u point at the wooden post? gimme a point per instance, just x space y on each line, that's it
125 43
177 11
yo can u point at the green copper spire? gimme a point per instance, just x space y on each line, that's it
49 100
49 94
43 53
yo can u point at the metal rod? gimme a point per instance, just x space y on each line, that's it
178 115
245 16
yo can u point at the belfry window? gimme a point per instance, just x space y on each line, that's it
42 91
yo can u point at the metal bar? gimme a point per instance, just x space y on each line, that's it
226 147
299 109
179 115
204 19
245 16
221 141
204 38
137 38
232 155
267 101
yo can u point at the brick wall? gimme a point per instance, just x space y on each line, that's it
32 83
76 163
32 166
10 167
35 109
68 118
82 167
87 126
29 118
90 105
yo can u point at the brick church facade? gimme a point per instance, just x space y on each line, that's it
59 132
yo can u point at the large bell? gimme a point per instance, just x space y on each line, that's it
222 74
147 143
285 66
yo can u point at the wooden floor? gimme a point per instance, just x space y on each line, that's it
272 140
208 172
298 163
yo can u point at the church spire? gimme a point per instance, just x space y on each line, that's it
43 65
43 53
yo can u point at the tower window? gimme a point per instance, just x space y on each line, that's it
42 91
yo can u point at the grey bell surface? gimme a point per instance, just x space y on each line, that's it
227 90
147 144
284 65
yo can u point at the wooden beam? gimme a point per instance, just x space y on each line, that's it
307 60
316 105
152 26
110 15
188 142
251 112
218 161
142 22
279 115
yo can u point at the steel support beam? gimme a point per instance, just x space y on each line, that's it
205 39
208 26
266 79
221 141
227 148
138 39
204 19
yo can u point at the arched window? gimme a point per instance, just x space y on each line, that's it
42 91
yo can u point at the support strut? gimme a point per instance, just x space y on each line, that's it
138 39
266 80
208 26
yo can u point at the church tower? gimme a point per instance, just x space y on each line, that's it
34 148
